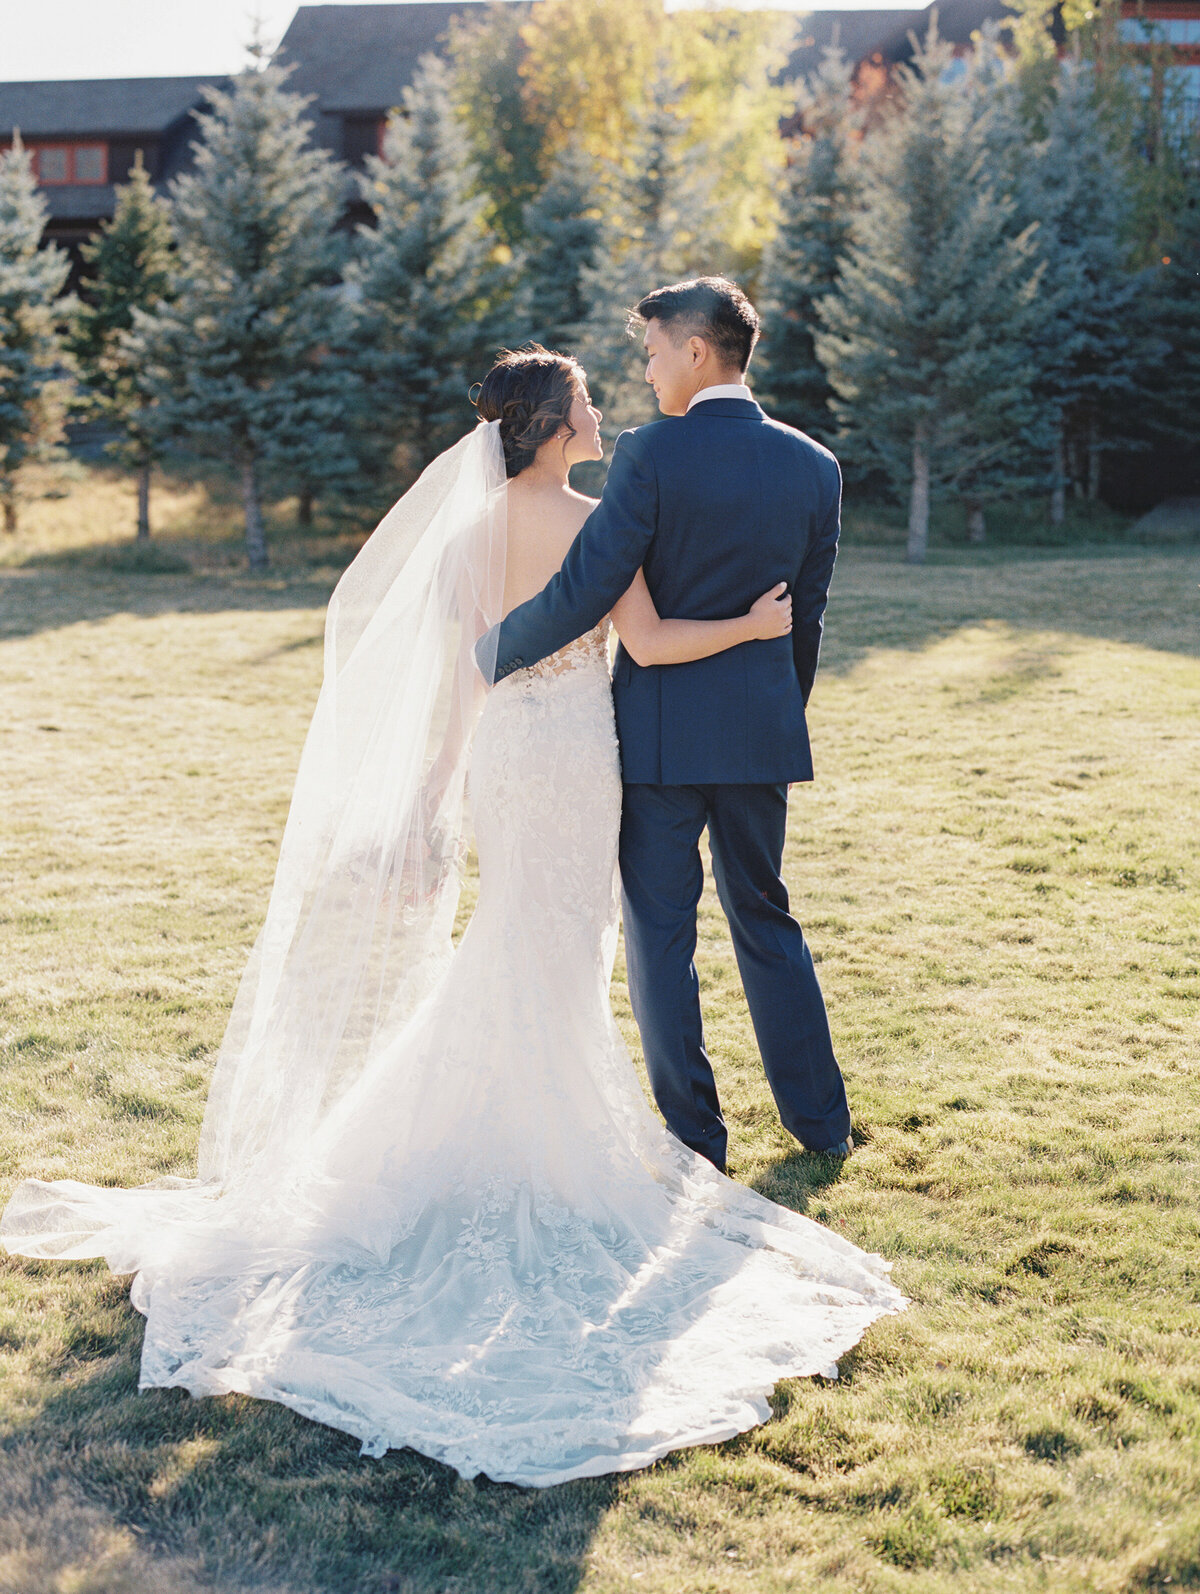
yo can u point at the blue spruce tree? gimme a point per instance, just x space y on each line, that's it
1089 354
927 342
564 227
132 269
245 363
803 262
34 383
431 291
661 225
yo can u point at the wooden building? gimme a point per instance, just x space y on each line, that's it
1165 36
84 137
353 61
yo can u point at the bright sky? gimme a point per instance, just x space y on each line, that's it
173 38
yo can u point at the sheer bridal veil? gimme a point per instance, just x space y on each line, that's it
362 907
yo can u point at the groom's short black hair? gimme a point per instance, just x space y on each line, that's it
712 308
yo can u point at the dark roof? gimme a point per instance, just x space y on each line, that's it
98 105
361 57
861 34
856 33
957 21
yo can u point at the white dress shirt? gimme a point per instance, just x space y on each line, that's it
737 390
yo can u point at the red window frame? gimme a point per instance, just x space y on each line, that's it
71 152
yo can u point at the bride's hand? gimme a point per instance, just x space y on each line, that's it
771 615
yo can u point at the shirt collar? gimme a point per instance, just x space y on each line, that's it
723 390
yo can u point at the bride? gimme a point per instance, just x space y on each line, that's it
435 1208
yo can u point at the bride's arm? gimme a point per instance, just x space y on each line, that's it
651 640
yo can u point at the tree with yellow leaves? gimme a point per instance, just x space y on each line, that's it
589 75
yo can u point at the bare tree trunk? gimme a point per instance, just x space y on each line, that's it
304 509
918 503
976 524
10 514
256 540
143 497
1094 456
1058 490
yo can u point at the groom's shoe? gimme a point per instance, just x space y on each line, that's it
841 1151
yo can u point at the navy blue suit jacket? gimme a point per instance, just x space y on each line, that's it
716 506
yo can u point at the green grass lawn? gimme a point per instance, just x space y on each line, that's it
998 867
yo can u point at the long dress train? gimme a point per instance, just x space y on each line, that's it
497 1255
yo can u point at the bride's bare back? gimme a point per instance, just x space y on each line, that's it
543 522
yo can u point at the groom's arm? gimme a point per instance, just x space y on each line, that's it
599 566
812 584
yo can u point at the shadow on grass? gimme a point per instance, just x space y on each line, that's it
1118 593
41 598
261 1498
796 1177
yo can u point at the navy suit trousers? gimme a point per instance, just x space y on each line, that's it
661 880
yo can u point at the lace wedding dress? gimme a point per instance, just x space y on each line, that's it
493 1252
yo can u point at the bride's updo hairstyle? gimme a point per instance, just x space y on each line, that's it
530 391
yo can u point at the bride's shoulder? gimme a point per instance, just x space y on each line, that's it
581 504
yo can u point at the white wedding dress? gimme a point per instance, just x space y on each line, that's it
493 1252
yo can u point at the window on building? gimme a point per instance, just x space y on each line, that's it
1181 97
1160 30
70 163
361 136
51 165
89 163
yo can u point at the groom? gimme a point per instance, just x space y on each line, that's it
715 504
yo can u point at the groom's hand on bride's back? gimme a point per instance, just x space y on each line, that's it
772 613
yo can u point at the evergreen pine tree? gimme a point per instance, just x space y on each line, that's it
926 344
1088 349
564 225
33 379
1176 409
661 226
132 268
803 262
996 93
244 362
430 289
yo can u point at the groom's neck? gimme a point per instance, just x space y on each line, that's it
723 379
716 379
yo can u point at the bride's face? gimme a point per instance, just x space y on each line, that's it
585 419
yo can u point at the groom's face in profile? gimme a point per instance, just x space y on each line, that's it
675 370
